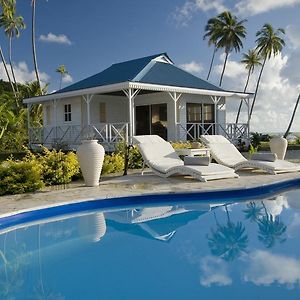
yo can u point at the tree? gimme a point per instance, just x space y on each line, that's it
210 30
271 229
228 33
253 212
63 72
228 241
4 8
292 118
250 59
269 42
33 4
12 25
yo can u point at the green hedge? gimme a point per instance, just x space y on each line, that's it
20 177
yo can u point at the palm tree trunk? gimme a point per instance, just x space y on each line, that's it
6 71
33 45
292 118
10 62
257 85
212 62
241 103
224 66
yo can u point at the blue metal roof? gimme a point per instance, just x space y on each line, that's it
143 70
167 74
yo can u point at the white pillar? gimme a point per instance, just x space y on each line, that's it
54 103
28 114
175 96
131 94
88 99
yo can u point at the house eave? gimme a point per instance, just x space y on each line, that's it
134 85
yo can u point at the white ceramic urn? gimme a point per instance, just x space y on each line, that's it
92 227
90 156
278 145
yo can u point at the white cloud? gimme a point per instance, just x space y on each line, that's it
275 206
254 7
192 67
214 272
276 97
185 13
292 33
23 74
67 78
267 268
53 38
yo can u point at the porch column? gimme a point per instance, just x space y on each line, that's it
131 94
215 100
175 96
88 99
29 106
247 102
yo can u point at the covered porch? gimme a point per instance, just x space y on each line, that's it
115 113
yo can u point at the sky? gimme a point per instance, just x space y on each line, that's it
88 36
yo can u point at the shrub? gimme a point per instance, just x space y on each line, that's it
113 163
58 167
181 145
20 177
135 159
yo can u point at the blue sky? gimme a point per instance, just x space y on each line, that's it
88 36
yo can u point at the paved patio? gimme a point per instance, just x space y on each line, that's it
132 184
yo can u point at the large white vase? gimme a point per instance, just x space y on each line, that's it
278 145
90 156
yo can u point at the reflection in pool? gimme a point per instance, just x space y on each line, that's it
183 251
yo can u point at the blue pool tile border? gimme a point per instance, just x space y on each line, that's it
226 195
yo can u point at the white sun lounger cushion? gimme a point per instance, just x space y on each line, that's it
264 156
196 160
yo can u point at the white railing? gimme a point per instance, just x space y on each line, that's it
106 133
193 131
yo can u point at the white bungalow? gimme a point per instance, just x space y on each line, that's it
149 95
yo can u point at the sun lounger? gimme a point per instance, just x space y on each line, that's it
225 153
161 157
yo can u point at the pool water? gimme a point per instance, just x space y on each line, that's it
195 250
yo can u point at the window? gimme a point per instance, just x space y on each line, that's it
68 113
102 112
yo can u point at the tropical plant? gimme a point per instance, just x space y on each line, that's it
63 72
12 25
4 8
253 212
228 241
269 43
271 229
228 33
250 59
210 30
292 118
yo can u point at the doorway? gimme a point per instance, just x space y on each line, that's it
152 119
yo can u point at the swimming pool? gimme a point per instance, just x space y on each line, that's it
192 246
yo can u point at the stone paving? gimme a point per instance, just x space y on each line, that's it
132 184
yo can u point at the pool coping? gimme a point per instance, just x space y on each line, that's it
92 204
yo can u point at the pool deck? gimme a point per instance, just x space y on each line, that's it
132 184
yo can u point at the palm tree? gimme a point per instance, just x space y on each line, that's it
292 118
269 42
228 241
12 25
210 30
271 229
250 60
228 34
253 212
63 72
33 4
4 9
